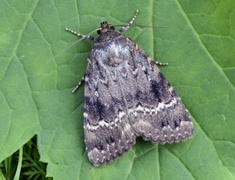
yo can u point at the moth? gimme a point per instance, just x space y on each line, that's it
126 96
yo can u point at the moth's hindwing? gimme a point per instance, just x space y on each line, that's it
127 96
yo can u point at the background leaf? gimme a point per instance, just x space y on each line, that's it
36 98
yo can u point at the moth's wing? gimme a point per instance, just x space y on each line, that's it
107 131
155 111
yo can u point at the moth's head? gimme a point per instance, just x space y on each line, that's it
104 27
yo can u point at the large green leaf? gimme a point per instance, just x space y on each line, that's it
36 96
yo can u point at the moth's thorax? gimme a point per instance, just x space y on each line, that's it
107 36
111 49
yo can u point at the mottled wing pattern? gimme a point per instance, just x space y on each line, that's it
127 96
108 133
155 111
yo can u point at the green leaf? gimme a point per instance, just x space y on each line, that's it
36 98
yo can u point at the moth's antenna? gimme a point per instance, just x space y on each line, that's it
136 25
126 27
82 37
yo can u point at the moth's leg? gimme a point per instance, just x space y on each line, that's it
79 84
161 64
154 63
91 38
124 28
